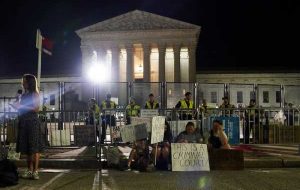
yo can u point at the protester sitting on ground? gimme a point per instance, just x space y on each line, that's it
218 139
139 156
162 150
190 135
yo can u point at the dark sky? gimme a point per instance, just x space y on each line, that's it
236 35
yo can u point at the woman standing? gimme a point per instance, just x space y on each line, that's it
29 137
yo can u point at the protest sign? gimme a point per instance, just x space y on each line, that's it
131 133
158 129
149 112
189 157
139 120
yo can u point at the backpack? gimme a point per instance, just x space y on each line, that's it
8 173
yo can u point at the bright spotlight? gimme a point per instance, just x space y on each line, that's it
98 73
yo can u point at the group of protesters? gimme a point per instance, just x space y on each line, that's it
145 156
143 159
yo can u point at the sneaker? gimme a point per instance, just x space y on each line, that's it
27 174
35 175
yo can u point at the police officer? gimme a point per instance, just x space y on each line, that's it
251 118
227 108
151 103
186 103
132 110
108 117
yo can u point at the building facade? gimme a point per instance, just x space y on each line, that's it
141 53
141 46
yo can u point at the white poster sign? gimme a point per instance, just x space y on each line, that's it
149 112
158 129
139 120
131 133
189 157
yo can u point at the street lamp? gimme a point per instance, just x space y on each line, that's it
98 73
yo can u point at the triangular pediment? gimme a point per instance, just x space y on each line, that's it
138 20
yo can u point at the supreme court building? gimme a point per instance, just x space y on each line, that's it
141 46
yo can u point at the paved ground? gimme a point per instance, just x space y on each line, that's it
260 179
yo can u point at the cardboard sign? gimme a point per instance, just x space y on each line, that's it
149 112
84 135
189 157
158 129
179 126
140 120
131 133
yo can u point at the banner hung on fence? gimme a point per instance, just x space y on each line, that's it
131 133
158 129
84 135
231 127
189 157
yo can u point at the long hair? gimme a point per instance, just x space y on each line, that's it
31 83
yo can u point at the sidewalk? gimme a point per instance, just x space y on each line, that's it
255 156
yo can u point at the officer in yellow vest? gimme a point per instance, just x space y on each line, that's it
151 103
186 103
132 110
108 117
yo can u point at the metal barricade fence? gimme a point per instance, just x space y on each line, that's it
75 128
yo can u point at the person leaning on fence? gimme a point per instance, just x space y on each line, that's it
162 150
190 135
186 103
226 107
108 118
252 121
151 103
30 135
132 110
94 112
217 138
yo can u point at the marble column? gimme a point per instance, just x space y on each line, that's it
162 62
177 73
146 63
87 55
192 63
101 55
115 64
129 63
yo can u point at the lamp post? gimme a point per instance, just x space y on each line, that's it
98 73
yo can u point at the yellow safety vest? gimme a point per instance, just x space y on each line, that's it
112 104
183 104
133 111
148 105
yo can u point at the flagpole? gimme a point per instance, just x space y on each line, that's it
39 47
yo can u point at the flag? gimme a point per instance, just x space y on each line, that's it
43 44
47 46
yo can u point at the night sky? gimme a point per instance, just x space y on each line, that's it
243 35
